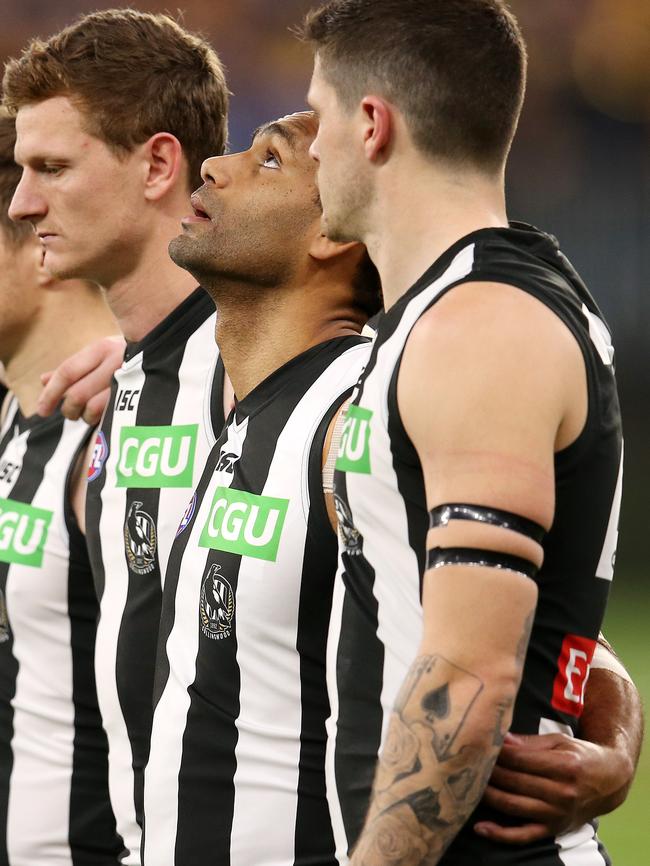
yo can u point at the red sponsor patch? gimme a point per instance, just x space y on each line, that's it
573 672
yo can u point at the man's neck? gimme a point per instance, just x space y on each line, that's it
435 213
66 323
143 298
259 333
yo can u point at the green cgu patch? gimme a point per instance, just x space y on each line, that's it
354 450
157 456
23 532
245 523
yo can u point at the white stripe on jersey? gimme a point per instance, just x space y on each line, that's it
38 818
268 594
400 635
579 847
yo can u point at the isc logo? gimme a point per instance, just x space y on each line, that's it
156 456
573 671
354 450
23 532
244 523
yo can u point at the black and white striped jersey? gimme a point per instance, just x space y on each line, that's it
150 449
54 803
238 743
377 616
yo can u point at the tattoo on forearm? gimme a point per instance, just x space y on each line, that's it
430 776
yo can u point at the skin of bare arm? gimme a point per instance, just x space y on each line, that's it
556 782
504 388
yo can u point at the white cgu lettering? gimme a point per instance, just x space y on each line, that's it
183 455
235 522
22 544
148 467
152 453
129 445
14 531
269 527
8 520
355 441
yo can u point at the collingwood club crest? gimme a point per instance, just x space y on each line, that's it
140 540
217 605
350 535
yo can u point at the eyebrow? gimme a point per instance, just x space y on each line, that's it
276 128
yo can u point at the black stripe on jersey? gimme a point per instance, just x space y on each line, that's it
92 832
138 636
29 480
316 585
216 398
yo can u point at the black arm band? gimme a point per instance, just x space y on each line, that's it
441 516
438 557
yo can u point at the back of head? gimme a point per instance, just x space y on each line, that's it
13 233
455 69
132 74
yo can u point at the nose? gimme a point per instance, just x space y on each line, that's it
213 171
313 149
27 203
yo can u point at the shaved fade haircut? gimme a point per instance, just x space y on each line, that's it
131 74
456 69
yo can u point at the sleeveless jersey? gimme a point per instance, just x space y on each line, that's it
377 620
153 441
238 743
54 803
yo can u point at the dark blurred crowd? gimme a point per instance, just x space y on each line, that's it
580 165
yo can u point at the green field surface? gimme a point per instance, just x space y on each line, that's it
626 832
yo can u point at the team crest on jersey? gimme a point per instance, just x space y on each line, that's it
216 605
100 453
351 537
188 514
4 621
227 460
140 540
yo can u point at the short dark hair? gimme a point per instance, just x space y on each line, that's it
131 74
455 68
14 233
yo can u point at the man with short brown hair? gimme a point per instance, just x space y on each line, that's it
54 801
480 480
114 116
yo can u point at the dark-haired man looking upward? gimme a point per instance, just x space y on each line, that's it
479 482
114 116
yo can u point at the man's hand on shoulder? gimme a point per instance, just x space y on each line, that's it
81 383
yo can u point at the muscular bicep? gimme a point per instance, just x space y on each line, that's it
485 394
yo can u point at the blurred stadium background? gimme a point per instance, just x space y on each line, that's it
580 169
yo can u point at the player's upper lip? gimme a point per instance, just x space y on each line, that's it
43 233
197 207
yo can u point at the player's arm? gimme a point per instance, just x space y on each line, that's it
82 382
484 385
555 782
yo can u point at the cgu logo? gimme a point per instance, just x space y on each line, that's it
23 532
157 456
244 523
354 450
